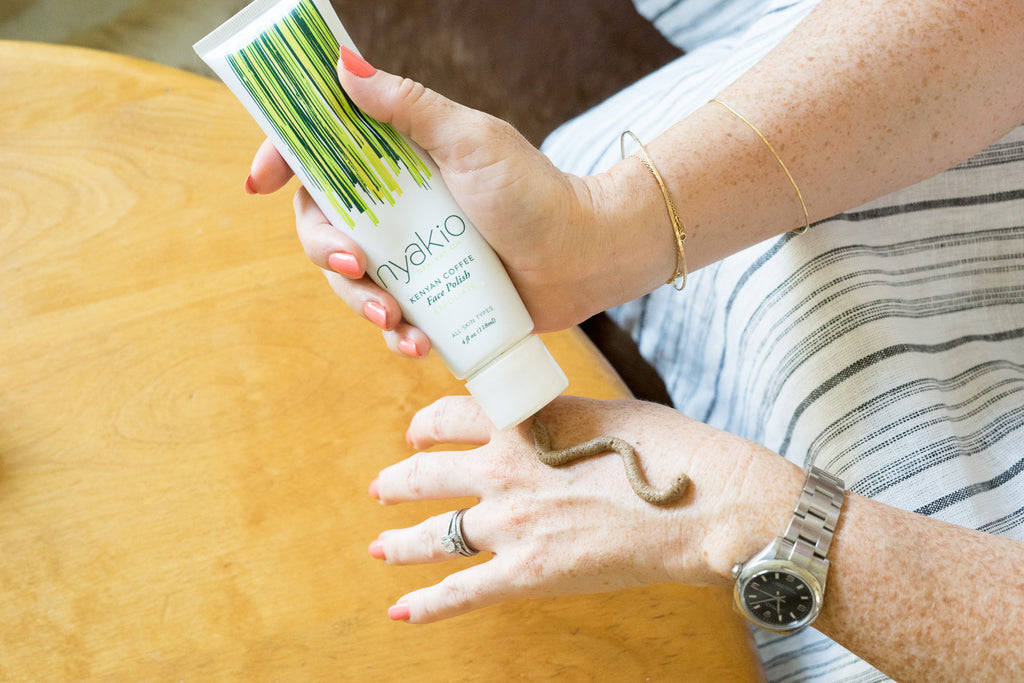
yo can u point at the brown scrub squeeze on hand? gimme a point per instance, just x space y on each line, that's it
603 444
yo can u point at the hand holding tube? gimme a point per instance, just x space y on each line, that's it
534 216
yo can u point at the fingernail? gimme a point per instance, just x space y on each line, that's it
398 612
409 348
374 493
250 188
376 314
376 549
356 65
345 263
408 438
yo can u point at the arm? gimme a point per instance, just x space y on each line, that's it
860 100
918 598
924 600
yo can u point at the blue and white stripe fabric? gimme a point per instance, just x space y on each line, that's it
689 24
885 344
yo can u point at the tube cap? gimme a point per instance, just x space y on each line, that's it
518 383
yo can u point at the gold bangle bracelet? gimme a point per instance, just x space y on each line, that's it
678 279
807 221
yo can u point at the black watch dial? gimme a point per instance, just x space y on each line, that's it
778 599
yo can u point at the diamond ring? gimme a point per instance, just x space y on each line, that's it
454 543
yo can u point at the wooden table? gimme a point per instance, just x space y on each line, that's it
189 421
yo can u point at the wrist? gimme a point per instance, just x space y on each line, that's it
759 514
631 227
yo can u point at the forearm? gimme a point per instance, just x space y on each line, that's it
924 600
918 598
860 100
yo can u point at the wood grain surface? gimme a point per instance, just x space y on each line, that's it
189 421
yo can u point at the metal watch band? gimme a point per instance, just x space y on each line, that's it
809 535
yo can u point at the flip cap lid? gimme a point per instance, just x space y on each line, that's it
518 383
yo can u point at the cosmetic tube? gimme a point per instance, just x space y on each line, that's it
279 58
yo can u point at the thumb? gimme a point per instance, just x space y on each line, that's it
429 119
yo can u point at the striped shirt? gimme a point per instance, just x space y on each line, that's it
885 345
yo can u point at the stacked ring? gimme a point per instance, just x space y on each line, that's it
454 543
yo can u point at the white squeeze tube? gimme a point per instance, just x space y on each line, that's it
279 58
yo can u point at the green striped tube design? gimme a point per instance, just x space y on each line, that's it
353 159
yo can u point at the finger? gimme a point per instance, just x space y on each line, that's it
344 264
422 543
408 341
431 120
431 475
464 591
452 419
367 299
321 240
269 171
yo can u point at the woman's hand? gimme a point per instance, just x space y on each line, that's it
536 218
580 528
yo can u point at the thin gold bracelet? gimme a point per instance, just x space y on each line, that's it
807 221
678 279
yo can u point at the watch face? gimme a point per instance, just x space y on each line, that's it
778 599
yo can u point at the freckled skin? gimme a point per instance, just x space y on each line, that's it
862 99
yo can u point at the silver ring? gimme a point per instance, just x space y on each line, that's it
454 543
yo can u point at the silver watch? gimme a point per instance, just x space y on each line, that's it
782 587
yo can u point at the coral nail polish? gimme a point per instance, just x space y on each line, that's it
376 549
376 314
409 348
250 188
345 263
374 492
356 65
399 612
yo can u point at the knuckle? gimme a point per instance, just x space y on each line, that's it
412 95
410 90
412 547
413 474
446 598
444 409
454 593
